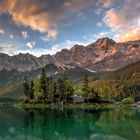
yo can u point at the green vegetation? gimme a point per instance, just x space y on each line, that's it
122 85
128 100
119 84
63 88
45 90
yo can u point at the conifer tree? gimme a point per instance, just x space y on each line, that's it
60 84
26 87
86 88
43 83
32 90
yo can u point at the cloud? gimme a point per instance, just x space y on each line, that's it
40 51
42 15
102 5
101 35
67 4
31 44
114 19
55 48
1 31
7 46
24 34
7 49
35 14
129 35
99 10
124 21
107 3
11 36
99 24
50 36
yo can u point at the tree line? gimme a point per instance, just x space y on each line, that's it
47 90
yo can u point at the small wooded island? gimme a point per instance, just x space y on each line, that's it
46 90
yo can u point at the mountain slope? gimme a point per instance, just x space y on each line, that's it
11 82
131 71
116 84
120 83
102 55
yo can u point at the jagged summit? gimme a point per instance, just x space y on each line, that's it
104 54
105 41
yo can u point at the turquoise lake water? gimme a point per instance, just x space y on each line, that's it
69 124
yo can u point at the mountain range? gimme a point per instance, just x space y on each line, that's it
103 55
107 62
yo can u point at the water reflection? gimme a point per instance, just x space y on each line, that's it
72 124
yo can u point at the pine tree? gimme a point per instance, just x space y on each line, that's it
86 88
50 89
54 88
68 90
95 94
32 90
60 84
26 87
43 83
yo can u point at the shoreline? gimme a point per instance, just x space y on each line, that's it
86 106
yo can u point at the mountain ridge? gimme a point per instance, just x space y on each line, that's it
103 55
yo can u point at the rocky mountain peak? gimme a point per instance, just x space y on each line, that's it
105 42
104 54
76 49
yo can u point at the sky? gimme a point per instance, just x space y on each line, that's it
47 26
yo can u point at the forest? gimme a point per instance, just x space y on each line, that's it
46 90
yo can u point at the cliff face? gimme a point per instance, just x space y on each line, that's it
103 55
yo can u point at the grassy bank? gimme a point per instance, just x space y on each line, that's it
86 106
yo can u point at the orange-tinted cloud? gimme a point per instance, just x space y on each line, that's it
50 36
114 19
41 15
129 35
124 21
1 31
28 13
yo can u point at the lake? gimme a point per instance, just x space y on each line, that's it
69 124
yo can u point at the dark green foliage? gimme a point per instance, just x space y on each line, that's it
85 87
43 83
113 86
95 94
90 94
54 88
32 90
46 90
60 89
26 87
68 90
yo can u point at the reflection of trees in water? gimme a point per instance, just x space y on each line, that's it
46 123
10 121
65 124
122 122
29 123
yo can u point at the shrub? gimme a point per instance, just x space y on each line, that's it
128 100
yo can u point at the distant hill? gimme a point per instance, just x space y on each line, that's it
116 84
120 83
131 71
11 81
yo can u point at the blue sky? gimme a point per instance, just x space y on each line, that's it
46 26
